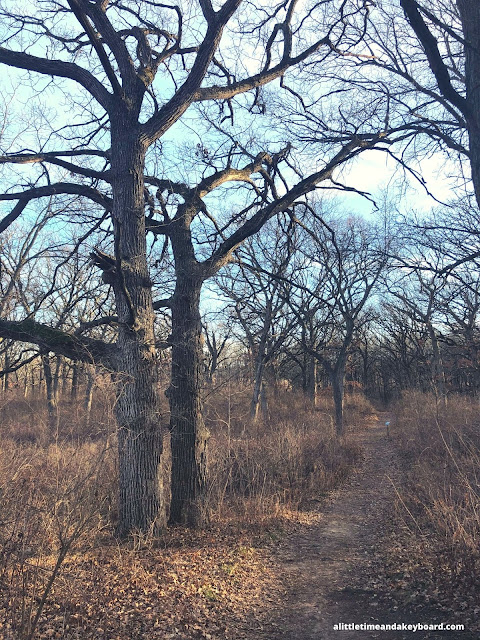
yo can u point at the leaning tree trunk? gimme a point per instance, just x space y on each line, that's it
189 435
470 16
141 501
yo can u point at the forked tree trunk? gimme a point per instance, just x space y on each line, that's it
189 435
141 500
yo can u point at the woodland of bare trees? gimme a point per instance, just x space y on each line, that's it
177 213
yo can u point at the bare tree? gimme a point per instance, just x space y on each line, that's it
258 284
128 73
421 59
346 259
418 283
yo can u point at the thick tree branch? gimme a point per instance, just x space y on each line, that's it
116 44
98 322
78 12
223 253
59 342
21 157
435 61
15 213
58 188
60 69
164 303
158 124
230 175
30 158
258 80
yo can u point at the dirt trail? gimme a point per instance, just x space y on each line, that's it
326 567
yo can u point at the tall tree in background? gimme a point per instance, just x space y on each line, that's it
258 286
346 258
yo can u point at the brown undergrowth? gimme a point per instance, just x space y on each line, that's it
434 552
63 574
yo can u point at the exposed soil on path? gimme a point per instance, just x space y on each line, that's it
329 566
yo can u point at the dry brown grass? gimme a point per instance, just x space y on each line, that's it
440 445
63 574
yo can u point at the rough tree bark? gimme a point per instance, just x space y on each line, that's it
141 501
189 435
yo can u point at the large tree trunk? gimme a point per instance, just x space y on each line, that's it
470 16
189 436
141 500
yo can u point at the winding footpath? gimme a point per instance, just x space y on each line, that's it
327 567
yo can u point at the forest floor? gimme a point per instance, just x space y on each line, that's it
352 556
354 563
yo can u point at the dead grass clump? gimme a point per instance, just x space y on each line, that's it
26 420
51 500
287 460
357 407
441 447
